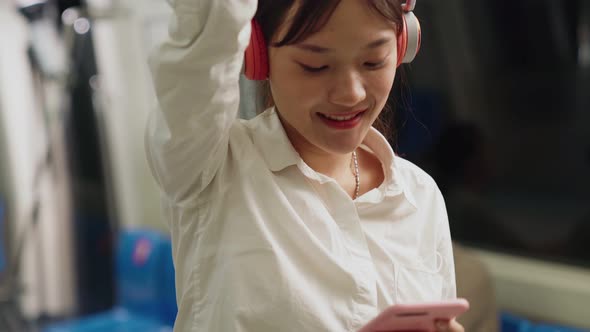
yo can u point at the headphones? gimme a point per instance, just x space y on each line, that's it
408 44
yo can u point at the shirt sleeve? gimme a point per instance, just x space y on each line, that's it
445 250
195 74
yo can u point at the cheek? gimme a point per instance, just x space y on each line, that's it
289 86
381 85
289 91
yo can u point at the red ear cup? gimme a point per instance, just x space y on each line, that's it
256 56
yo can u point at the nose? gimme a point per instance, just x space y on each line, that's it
347 90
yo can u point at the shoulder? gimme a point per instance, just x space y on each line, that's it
421 189
413 176
419 186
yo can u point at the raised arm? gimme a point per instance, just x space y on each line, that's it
195 73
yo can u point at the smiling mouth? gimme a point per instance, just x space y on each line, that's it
342 121
343 117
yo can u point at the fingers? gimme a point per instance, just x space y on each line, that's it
448 326
443 326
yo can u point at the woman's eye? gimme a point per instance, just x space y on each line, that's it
313 69
375 65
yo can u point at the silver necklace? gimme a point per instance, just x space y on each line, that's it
357 175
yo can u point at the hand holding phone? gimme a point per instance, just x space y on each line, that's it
416 316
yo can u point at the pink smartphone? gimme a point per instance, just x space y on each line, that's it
416 316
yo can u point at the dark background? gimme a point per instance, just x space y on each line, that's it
496 107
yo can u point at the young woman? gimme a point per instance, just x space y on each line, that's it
301 219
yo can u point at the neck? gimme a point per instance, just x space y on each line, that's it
336 166
339 167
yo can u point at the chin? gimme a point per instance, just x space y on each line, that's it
348 142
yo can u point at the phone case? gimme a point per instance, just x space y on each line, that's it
416 317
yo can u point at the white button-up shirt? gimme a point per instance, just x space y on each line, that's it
262 242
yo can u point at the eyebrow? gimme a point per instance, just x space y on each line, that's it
320 49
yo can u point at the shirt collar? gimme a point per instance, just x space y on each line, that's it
270 136
278 152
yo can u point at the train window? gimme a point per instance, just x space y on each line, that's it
496 108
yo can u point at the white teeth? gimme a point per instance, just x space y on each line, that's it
339 118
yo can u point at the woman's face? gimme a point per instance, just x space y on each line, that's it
330 88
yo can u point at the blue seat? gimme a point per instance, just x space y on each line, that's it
553 328
116 320
168 289
513 323
141 279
